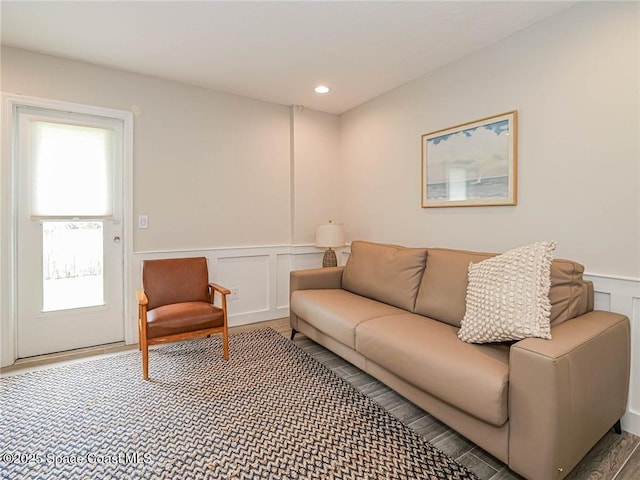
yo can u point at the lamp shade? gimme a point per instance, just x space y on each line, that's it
329 235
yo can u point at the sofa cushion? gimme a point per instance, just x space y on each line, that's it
428 354
337 312
569 294
443 289
388 273
508 296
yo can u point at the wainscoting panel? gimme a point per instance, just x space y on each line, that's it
250 277
602 301
261 275
303 261
622 295
283 266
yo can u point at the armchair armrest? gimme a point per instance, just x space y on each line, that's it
315 278
567 392
221 290
143 302
142 298
213 288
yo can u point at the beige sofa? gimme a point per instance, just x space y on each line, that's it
537 405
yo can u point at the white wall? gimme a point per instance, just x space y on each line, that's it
210 169
317 184
574 80
214 172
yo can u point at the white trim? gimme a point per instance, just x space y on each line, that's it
7 238
10 102
612 277
39 102
282 248
631 422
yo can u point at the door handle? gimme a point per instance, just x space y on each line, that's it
116 239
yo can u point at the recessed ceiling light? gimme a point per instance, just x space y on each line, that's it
322 89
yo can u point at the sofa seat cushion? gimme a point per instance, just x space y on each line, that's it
337 312
428 354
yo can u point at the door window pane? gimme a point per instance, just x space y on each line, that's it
72 265
71 170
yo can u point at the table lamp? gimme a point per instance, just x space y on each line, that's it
329 235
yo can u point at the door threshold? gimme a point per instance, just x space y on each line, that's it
22 365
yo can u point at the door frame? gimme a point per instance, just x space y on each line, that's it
8 219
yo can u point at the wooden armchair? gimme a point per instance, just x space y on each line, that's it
176 303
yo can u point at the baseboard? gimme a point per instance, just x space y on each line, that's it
255 317
631 422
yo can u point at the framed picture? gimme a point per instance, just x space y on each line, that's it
471 165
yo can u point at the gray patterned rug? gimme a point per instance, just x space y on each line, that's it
270 412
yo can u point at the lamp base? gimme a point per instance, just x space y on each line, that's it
329 259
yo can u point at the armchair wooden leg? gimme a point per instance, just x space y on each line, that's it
225 329
293 333
225 344
144 347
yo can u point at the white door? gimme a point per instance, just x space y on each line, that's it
69 231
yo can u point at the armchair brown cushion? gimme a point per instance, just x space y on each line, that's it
182 317
189 281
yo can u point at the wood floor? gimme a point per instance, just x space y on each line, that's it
615 457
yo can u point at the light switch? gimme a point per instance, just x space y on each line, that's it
143 221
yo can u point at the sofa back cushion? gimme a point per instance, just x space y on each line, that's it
570 294
443 290
387 273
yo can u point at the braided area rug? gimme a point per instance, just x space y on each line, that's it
270 412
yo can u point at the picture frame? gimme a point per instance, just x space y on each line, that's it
471 165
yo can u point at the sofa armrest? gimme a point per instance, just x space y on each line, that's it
567 392
312 279
315 278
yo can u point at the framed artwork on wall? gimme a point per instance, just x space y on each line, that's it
471 165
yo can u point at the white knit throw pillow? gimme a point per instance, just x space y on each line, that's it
508 296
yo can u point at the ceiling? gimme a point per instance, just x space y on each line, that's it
272 51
